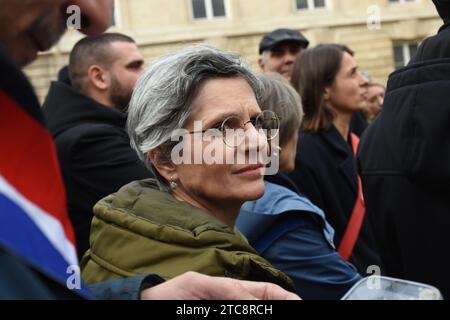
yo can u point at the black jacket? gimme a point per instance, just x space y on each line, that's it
19 280
358 123
404 158
94 152
325 172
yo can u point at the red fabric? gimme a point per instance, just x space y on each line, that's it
29 162
356 220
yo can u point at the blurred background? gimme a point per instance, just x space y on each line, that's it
383 33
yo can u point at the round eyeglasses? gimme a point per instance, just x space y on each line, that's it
232 128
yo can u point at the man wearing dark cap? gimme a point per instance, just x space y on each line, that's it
279 49
404 159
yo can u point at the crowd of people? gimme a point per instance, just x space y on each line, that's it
94 176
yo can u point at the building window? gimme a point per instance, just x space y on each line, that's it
401 1
208 9
311 4
403 52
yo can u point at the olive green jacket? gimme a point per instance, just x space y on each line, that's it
140 229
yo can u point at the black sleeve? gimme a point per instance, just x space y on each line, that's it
306 180
124 289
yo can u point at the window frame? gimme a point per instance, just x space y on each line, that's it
406 52
209 11
311 6
402 2
117 15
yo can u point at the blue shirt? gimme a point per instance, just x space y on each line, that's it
293 234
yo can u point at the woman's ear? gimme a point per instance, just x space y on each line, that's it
326 94
160 158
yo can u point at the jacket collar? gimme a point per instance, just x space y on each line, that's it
144 200
282 179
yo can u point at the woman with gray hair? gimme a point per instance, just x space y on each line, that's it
284 226
185 220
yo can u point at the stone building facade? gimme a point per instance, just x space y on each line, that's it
383 33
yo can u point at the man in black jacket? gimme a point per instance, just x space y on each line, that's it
404 159
87 121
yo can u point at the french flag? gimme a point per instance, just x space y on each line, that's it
34 223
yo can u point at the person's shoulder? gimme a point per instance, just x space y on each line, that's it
270 203
307 136
278 193
282 199
311 149
94 142
93 128
90 131
310 140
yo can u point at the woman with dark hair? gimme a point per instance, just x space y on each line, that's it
332 91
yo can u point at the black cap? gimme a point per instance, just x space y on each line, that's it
282 35
443 8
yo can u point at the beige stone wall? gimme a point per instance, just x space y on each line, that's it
160 26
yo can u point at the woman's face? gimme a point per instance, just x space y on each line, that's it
348 94
225 183
375 100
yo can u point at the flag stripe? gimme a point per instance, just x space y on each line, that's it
36 222
37 237
28 161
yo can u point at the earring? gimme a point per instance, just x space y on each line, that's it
277 152
173 184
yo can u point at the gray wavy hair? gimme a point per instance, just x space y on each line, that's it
280 97
162 99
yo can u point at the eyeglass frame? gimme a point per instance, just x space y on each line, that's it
242 127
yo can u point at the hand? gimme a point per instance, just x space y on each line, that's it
195 286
